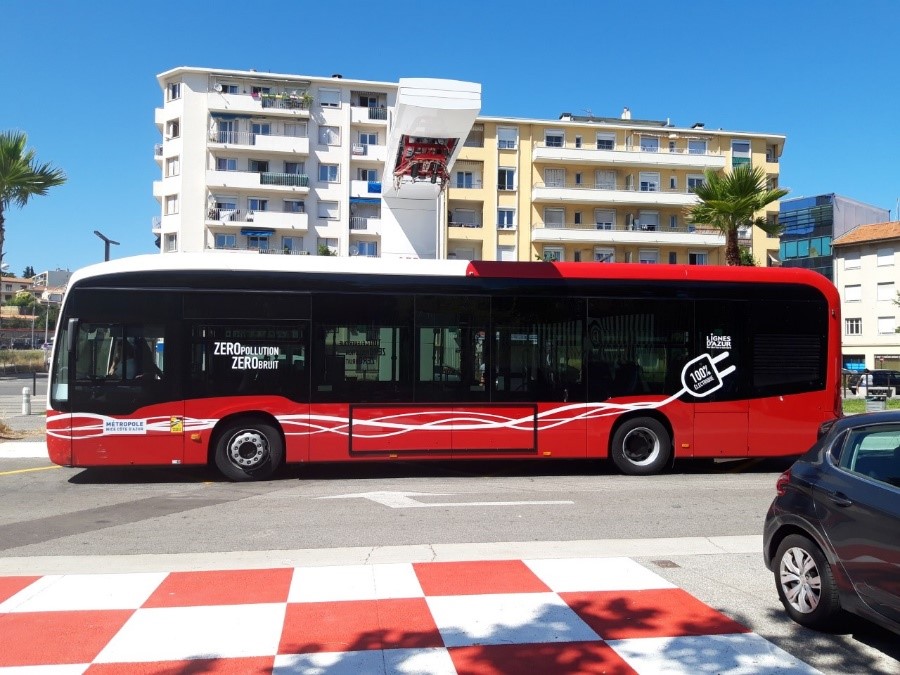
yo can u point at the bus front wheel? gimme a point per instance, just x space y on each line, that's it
249 450
641 446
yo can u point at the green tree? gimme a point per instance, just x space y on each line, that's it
28 273
730 201
21 176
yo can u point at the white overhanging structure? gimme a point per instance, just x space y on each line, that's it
428 126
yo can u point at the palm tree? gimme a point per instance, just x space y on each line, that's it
730 201
21 176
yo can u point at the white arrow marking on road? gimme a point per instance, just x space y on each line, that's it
403 500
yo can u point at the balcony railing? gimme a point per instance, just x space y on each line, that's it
634 227
378 113
614 187
288 179
242 137
158 150
257 249
285 101
359 223
636 149
455 223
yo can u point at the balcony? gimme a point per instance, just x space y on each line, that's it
368 153
267 142
156 225
611 194
368 115
158 153
678 158
294 105
365 225
280 220
587 233
365 188
252 180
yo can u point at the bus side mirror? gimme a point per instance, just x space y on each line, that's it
70 334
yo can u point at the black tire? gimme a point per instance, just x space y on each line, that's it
249 450
641 446
805 583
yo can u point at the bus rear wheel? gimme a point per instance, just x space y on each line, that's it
249 450
641 446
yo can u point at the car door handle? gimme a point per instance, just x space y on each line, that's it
839 498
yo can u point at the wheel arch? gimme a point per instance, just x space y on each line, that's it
249 416
652 414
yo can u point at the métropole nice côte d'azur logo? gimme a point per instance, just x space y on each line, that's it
718 342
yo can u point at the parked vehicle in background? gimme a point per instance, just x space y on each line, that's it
880 378
832 533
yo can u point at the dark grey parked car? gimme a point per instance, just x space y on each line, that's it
832 534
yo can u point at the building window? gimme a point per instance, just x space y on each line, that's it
649 181
257 204
226 164
696 147
554 254
331 243
886 325
464 179
226 241
294 206
885 292
258 165
329 135
554 218
673 222
853 293
173 166
605 219
605 180
649 144
368 175
173 91
673 257
578 142
173 128
367 138
555 178
261 129
506 219
740 153
295 129
507 137
553 138
648 221
694 182
171 242
604 255
368 249
578 217
328 173
225 88
648 256
330 98
673 183
606 141
295 168
578 178
852 326
885 257
258 241
506 179
463 218
291 244
852 261
171 204
329 210
698 258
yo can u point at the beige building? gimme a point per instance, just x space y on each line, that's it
291 164
867 276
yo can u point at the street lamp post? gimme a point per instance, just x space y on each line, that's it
106 242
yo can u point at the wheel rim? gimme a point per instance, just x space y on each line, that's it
800 580
641 446
248 448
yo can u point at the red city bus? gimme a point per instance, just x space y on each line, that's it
249 362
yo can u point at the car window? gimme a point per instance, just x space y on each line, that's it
874 452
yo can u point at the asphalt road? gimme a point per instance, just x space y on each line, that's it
698 527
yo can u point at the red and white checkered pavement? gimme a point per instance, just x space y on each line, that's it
578 615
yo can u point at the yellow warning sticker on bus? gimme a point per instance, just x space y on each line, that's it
176 425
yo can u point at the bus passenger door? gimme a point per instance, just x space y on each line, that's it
721 419
124 400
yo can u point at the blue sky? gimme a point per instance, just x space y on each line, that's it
80 79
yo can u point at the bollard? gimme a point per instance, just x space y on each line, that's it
26 401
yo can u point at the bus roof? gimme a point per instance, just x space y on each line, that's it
224 261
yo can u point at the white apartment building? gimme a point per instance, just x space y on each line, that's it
867 275
289 164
